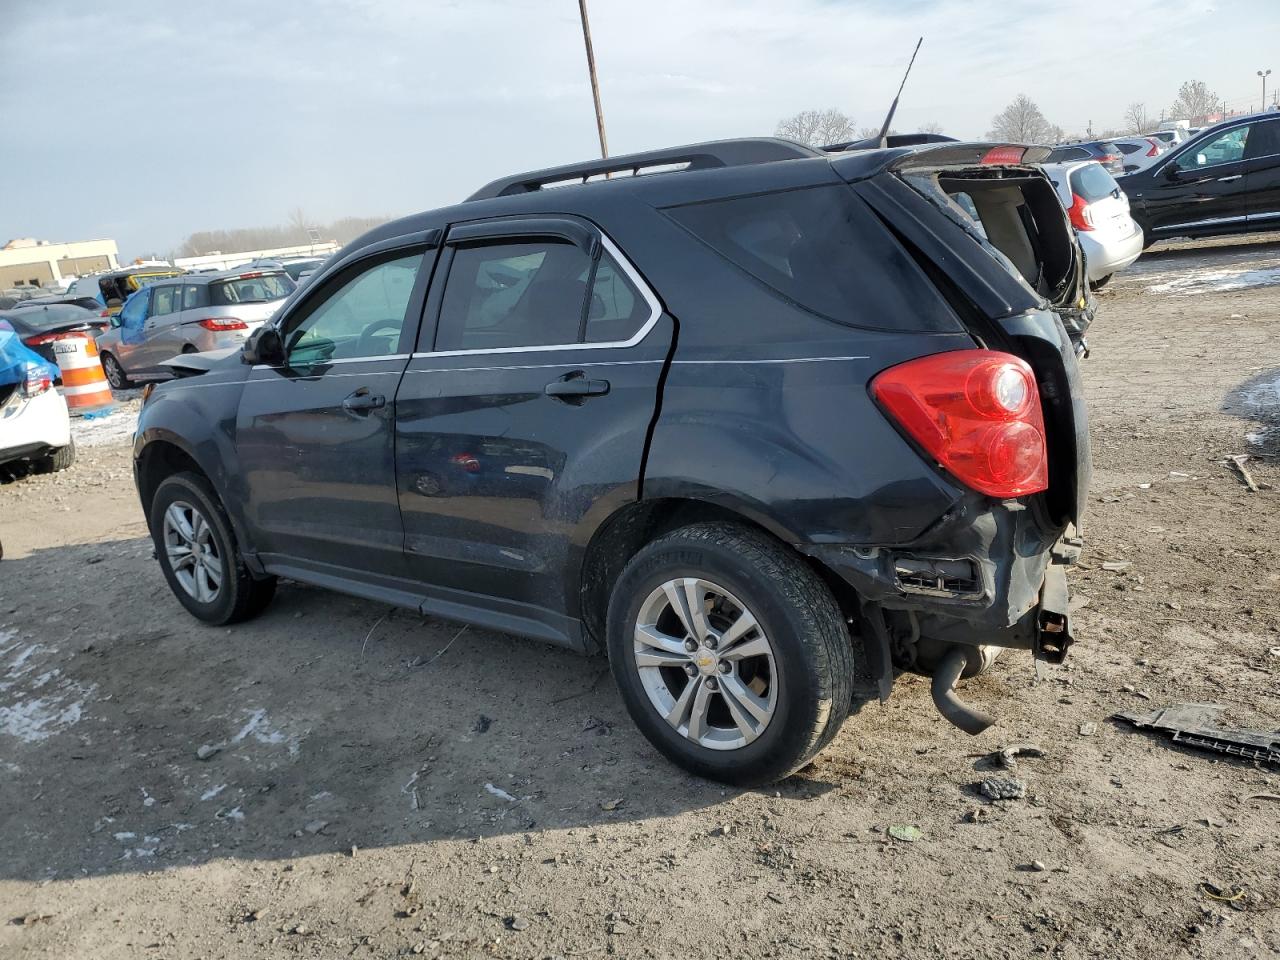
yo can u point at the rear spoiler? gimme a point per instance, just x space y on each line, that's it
861 164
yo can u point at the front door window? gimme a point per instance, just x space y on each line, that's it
1227 148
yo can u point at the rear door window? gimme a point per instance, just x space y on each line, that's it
823 249
515 294
165 300
1264 141
195 295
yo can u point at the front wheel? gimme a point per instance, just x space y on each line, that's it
198 553
731 655
116 376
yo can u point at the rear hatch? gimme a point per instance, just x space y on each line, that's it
1098 204
251 297
986 226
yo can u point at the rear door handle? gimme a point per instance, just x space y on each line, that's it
576 387
362 401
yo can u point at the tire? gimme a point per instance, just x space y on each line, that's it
1099 284
801 687
60 459
116 376
234 594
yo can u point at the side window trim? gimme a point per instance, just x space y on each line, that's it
437 291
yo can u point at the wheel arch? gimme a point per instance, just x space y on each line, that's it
637 523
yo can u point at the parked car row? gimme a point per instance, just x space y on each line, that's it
188 313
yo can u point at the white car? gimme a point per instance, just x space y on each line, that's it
1170 138
1138 153
34 424
1099 211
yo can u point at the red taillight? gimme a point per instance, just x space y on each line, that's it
36 384
223 323
1155 148
1079 213
251 276
1003 155
977 412
467 461
42 338
105 312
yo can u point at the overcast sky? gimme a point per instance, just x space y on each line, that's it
148 121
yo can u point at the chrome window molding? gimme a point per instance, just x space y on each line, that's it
655 311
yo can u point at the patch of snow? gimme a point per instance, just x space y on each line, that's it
258 727
1217 281
123 836
213 792
114 427
499 793
29 718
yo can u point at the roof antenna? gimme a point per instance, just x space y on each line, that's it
884 131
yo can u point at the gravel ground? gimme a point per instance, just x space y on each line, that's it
375 784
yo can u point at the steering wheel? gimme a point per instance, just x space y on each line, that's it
366 345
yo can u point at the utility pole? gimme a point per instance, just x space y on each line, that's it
595 86
1264 76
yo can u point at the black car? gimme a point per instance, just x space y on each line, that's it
1224 180
1103 151
40 325
764 425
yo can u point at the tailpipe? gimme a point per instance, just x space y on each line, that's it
945 676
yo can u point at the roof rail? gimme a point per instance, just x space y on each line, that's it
697 156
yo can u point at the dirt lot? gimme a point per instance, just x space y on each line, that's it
387 785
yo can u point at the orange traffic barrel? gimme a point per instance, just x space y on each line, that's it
84 385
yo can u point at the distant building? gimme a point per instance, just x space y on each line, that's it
43 264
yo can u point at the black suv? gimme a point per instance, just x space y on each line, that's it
1224 180
761 423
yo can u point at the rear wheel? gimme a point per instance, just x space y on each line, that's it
198 553
731 655
60 459
116 376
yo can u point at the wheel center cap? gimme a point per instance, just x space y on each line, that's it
707 661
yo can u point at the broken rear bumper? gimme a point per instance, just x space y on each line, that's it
985 575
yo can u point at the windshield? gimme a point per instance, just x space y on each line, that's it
250 288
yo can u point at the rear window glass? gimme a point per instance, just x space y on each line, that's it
1091 182
821 248
255 289
53 315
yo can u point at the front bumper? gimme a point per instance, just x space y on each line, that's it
34 426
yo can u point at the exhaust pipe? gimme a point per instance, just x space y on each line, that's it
943 689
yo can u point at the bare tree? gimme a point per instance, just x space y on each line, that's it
1137 119
1195 102
933 126
265 238
1021 122
817 128
298 223
870 133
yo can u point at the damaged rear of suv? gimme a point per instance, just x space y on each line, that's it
764 424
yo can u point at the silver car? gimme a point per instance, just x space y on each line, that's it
188 314
1099 211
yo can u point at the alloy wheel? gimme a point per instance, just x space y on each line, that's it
192 551
115 375
706 664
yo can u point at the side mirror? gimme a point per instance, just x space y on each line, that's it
115 321
1171 171
264 346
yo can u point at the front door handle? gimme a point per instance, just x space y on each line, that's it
1229 179
575 387
362 401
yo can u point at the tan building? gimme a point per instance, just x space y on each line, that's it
45 264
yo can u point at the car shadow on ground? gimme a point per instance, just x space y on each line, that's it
1258 400
1246 248
326 723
